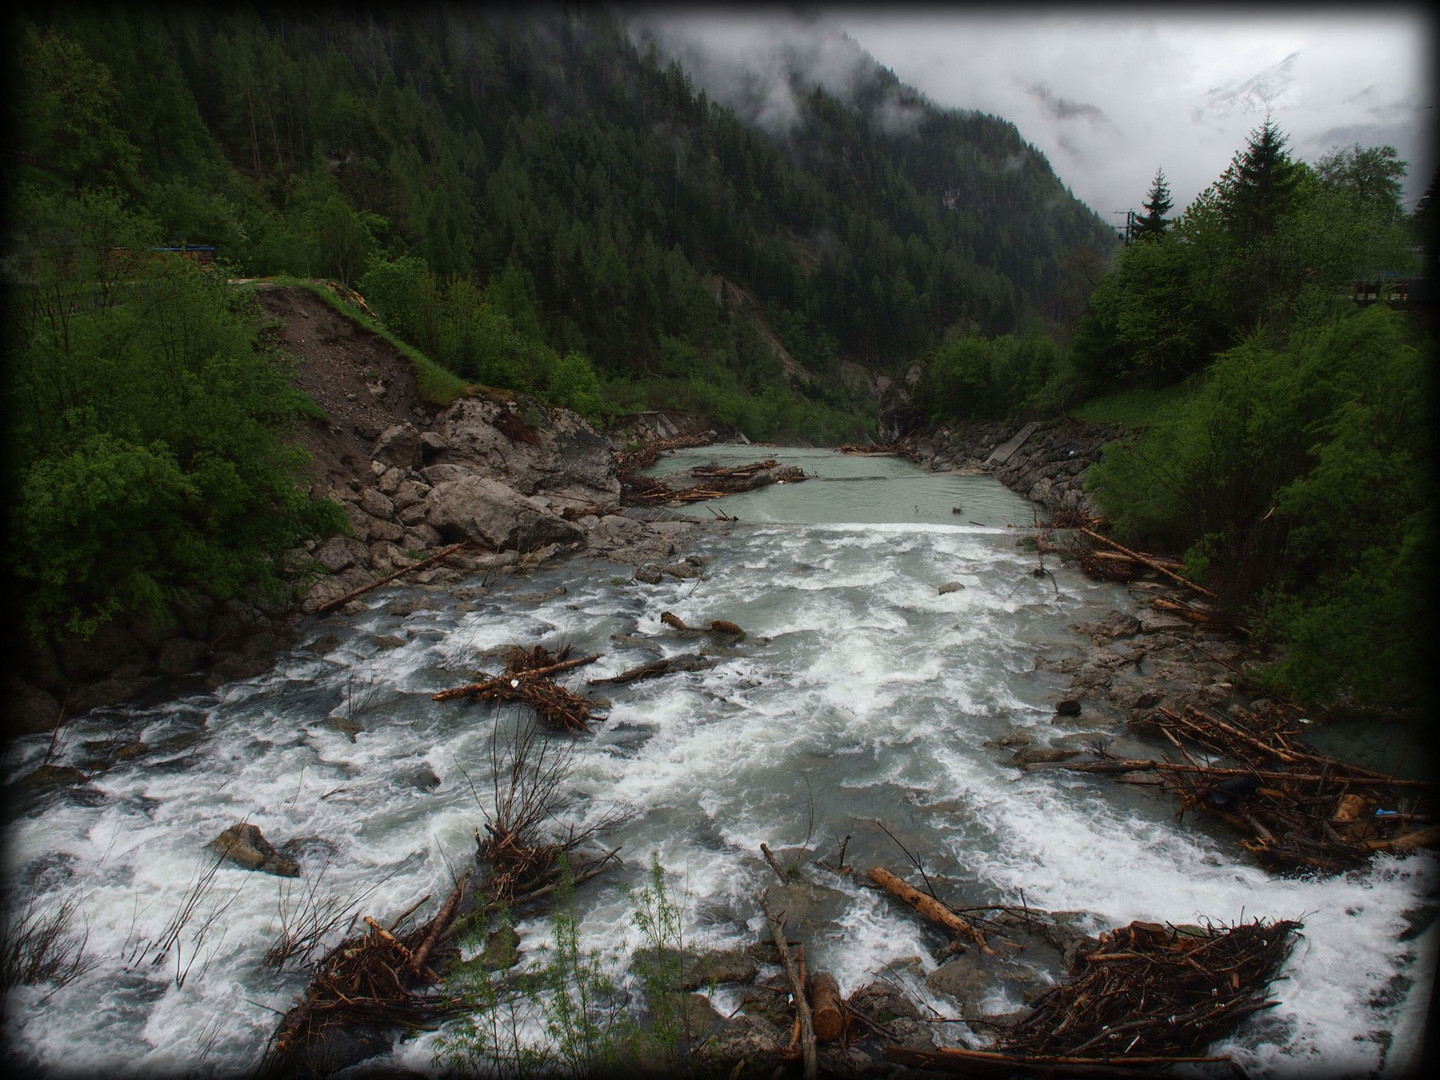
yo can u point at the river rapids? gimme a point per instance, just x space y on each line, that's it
862 702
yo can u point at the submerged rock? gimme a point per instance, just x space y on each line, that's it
245 846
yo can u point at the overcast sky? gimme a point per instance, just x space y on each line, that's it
1111 96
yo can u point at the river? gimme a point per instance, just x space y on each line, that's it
861 697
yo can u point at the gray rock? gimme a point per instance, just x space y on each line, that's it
408 493
439 474
376 504
359 521
389 531
567 459
390 480
341 552
488 511
398 445
950 586
966 978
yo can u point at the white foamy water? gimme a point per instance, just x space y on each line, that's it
861 697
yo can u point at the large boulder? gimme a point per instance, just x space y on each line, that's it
535 450
479 508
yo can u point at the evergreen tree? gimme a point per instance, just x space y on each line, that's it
1260 183
1157 205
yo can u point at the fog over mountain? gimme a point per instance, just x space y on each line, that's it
1108 97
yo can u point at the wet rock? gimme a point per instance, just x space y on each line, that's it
1033 755
682 570
950 586
1067 707
31 708
245 846
809 908
109 691
131 750
325 643
967 978
649 574
53 776
421 778
502 950
770 1000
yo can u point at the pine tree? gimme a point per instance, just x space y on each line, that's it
1157 205
1258 186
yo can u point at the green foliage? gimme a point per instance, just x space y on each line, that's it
979 378
573 384
570 997
563 191
145 421
1273 246
661 969
1303 475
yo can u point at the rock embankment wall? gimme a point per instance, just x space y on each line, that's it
1051 467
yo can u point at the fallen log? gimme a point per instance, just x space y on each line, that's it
827 1007
717 626
928 906
797 989
1146 561
663 666
339 601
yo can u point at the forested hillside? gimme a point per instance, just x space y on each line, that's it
509 190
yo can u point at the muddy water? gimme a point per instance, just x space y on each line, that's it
861 697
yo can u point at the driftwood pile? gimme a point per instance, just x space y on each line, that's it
527 679
892 448
1298 808
1149 996
374 980
711 482
627 461
1153 990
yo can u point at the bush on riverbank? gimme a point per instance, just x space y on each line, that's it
145 422
1300 479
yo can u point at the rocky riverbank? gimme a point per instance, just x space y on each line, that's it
1050 467
523 482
